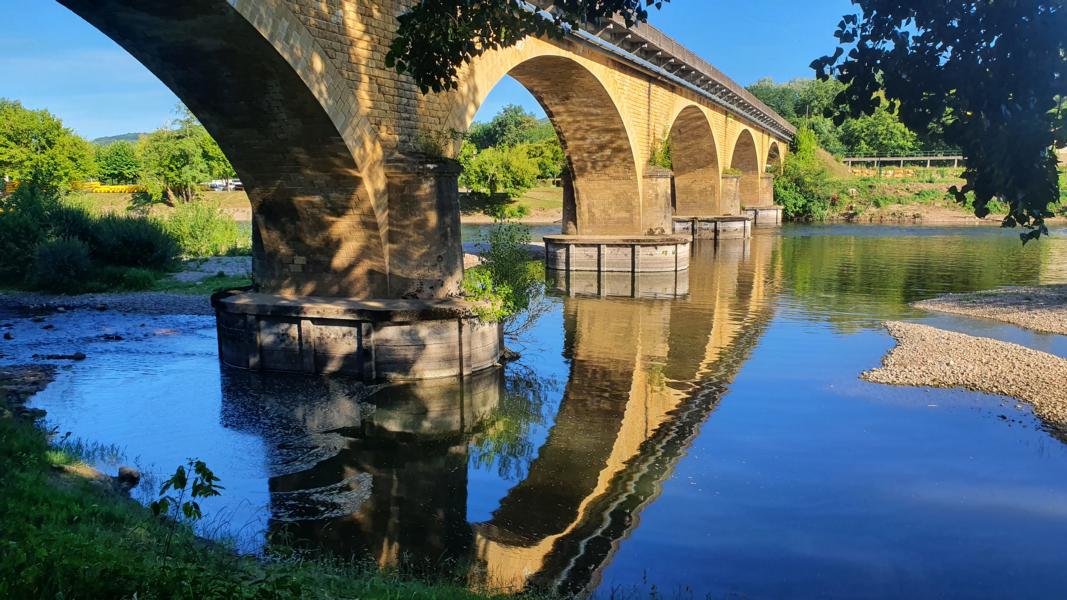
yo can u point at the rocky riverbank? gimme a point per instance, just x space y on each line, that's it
927 356
1040 308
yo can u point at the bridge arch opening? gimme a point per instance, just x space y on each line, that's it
746 161
774 159
602 194
695 161
314 228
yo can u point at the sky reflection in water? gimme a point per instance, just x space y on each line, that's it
719 442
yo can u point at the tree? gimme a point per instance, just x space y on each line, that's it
803 188
500 170
991 74
510 127
35 146
437 37
172 165
782 99
175 160
117 162
878 133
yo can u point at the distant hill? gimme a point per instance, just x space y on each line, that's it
123 137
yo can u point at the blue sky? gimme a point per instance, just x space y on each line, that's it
49 58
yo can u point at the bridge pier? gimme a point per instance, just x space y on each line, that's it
414 326
726 227
764 211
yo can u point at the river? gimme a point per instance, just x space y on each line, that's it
719 442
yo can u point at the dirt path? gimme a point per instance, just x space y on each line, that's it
1040 308
927 356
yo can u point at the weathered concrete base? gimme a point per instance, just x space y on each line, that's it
370 339
617 254
625 285
764 215
713 228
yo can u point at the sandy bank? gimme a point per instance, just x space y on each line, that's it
927 356
1041 308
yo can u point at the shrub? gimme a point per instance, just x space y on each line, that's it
804 187
500 170
504 282
133 242
19 238
125 278
71 222
61 266
202 229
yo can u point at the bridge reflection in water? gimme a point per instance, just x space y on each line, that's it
391 481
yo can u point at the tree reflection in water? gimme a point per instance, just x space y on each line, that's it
387 476
503 439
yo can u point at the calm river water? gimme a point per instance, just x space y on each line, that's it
716 443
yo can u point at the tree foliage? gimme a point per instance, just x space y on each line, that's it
508 171
436 37
803 189
35 146
990 74
878 133
507 155
811 104
117 162
175 160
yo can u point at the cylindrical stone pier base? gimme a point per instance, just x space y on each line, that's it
371 339
617 254
764 215
714 228
665 284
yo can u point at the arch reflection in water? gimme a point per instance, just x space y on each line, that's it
643 376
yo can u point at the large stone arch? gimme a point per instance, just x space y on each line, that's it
604 177
695 159
315 227
745 158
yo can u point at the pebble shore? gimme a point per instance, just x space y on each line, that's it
927 356
1040 308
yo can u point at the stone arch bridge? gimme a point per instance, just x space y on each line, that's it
356 232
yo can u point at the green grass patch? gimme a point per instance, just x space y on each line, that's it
64 537
204 286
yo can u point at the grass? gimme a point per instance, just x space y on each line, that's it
66 537
120 202
536 200
543 198
202 287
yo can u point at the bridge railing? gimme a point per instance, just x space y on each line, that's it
930 158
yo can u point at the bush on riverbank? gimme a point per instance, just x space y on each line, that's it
60 265
804 188
40 231
203 230
65 537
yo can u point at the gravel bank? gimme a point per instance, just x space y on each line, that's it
927 356
149 303
1041 308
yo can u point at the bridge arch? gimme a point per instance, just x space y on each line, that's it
774 159
605 195
315 227
695 159
746 159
